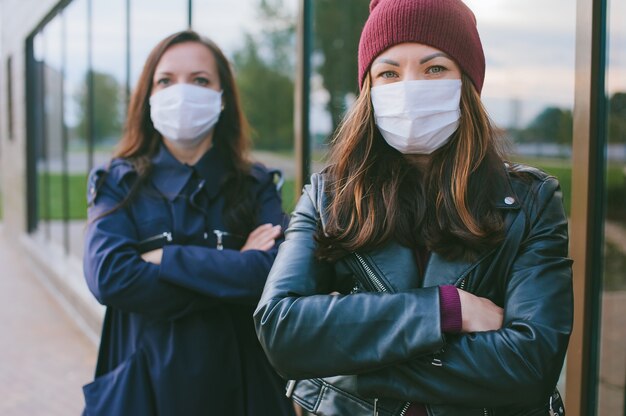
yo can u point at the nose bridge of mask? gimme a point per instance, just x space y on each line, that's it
416 97
187 94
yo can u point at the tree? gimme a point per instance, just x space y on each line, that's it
552 125
108 107
617 118
265 69
338 26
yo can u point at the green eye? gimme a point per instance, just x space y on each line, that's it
387 74
437 69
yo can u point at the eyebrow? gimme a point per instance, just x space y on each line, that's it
193 73
433 56
422 61
385 61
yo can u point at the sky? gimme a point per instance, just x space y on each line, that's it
530 51
616 78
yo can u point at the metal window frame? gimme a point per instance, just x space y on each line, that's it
302 134
32 217
587 216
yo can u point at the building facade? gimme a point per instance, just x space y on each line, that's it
555 86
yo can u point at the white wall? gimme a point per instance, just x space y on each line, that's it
18 19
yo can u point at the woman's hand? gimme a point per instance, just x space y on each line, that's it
153 256
479 314
262 238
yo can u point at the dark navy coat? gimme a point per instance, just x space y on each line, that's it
178 339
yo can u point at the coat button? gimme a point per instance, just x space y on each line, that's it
509 200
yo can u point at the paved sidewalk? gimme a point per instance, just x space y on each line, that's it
44 358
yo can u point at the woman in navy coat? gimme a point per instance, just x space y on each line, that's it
181 235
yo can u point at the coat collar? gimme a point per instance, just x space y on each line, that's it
505 197
170 176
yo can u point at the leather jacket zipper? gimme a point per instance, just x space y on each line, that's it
461 284
405 408
375 280
378 286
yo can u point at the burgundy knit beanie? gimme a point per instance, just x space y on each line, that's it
448 25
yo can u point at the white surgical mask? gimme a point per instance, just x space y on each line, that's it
185 113
419 116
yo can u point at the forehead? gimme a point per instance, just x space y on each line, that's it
187 56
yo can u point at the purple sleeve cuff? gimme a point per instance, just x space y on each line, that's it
451 317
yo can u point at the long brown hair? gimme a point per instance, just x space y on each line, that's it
376 194
140 140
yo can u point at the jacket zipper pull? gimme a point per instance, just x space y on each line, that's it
375 407
219 234
291 385
553 412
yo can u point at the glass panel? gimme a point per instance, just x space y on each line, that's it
75 117
53 109
334 85
151 21
260 39
611 380
108 78
529 84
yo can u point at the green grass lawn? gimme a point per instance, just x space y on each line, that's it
559 168
562 170
53 208
289 195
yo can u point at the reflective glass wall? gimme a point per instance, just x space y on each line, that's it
612 343
85 58
84 61
529 82
333 85
260 40
75 119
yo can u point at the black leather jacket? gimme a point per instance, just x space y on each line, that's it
393 342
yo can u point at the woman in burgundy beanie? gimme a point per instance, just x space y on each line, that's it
421 274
